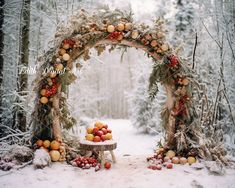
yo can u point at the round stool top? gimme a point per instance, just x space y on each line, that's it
98 146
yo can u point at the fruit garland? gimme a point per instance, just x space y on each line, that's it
89 162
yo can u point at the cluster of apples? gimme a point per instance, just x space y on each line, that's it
100 132
88 162
85 163
55 148
167 160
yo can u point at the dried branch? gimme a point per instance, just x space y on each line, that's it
194 51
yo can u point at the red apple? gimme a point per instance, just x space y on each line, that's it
107 165
105 126
99 133
109 131
95 130
103 137
96 139
169 166
153 167
104 130
159 167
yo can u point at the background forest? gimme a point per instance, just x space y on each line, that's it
203 31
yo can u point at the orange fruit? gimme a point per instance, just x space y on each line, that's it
39 143
44 100
89 130
46 144
43 92
99 125
55 145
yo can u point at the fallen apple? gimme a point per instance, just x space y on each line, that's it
169 166
107 165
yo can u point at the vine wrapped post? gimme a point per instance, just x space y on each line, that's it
56 127
170 126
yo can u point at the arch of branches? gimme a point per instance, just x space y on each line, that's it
111 29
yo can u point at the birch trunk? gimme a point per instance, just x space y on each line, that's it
1 60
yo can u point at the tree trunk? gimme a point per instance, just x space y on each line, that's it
1 60
24 61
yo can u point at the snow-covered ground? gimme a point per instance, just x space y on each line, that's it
130 171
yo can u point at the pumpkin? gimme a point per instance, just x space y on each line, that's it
55 155
55 145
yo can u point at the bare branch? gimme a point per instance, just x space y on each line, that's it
194 51
211 35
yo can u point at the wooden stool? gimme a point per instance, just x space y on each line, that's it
100 147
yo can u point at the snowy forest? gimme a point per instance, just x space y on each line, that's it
113 85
